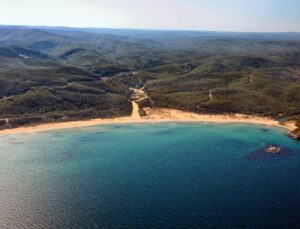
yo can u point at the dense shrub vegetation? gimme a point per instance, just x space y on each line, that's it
49 74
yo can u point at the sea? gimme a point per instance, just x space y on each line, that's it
160 175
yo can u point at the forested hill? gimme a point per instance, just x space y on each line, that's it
54 73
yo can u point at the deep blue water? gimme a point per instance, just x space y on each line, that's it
170 175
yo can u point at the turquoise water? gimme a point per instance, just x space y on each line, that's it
170 175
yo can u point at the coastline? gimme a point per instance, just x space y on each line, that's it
154 115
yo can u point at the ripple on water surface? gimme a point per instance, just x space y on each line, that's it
171 175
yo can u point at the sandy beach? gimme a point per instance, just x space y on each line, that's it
153 115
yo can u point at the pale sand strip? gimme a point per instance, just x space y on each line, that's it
154 115
135 111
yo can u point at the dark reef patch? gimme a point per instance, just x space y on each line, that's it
241 143
94 138
65 156
264 130
270 152
163 132
99 133
16 142
117 127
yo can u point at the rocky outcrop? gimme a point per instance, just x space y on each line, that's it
4 123
295 134
269 153
273 149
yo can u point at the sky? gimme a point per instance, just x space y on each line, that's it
208 15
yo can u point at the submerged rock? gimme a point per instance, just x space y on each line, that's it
264 130
269 153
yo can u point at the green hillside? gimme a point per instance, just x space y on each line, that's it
49 74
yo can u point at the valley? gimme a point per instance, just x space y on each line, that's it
50 75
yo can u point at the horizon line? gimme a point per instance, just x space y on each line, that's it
144 29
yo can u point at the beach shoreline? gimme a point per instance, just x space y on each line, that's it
154 115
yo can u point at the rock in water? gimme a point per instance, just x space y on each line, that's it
273 149
270 152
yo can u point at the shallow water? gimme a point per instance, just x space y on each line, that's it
169 175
